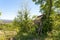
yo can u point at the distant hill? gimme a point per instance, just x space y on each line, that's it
5 21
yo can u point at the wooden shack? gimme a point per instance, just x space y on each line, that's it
38 22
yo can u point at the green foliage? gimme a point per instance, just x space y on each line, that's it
0 13
56 23
25 26
47 25
48 8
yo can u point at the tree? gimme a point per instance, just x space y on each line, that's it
25 24
47 7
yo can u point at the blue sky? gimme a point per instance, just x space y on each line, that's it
9 8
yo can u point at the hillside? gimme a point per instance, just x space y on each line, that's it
5 21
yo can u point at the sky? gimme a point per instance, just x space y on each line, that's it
9 8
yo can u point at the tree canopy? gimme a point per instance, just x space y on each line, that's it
48 8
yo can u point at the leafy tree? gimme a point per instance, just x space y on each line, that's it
47 7
25 25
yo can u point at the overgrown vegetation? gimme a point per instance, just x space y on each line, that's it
48 27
